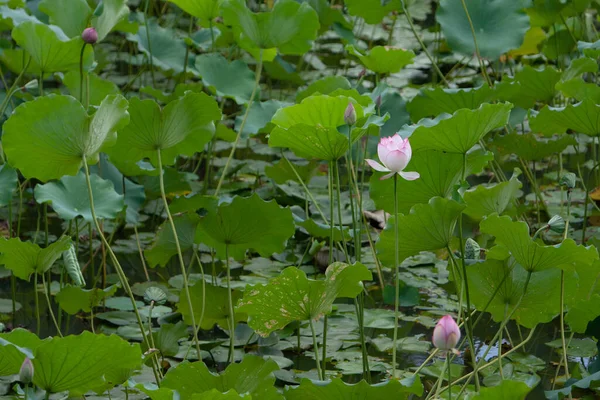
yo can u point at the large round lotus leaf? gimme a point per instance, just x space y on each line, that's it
290 27
69 197
535 85
212 308
25 258
499 25
337 389
48 137
459 132
293 297
204 10
247 223
507 389
8 183
14 347
514 237
182 127
583 117
483 201
373 11
163 247
259 117
427 227
74 299
530 148
50 48
253 376
383 59
230 79
440 172
84 362
324 86
70 15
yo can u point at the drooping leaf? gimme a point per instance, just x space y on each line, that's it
247 223
336 389
166 340
108 15
230 79
48 137
205 10
530 148
8 184
164 247
69 197
483 201
499 26
70 15
582 117
293 297
83 362
427 227
514 236
210 310
182 127
459 132
71 265
25 258
383 59
73 299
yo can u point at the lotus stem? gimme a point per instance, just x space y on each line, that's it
50 306
562 293
477 53
316 349
396 282
230 356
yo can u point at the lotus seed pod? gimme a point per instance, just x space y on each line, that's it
350 115
557 224
90 35
26 371
156 295
472 249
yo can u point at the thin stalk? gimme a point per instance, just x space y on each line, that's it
308 192
37 304
117 265
150 57
139 246
237 139
331 212
324 360
396 282
562 292
203 300
231 312
363 343
339 209
449 376
186 285
81 73
316 349
13 88
477 53
50 306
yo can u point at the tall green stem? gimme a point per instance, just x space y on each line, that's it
562 292
239 134
150 57
477 53
396 282
37 304
316 350
231 312
186 286
50 306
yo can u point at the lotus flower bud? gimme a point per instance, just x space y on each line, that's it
394 153
569 180
350 115
31 85
90 35
446 333
26 371
557 224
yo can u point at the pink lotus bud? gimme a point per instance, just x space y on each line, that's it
26 371
446 333
350 115
394 153
90 35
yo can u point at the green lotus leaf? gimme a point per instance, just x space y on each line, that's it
259 117
48 137
230 79
247 223
69 197
535 85
322 231
507 389
588 382
214 394
50 48
84 362
432 102
499 25
530 148
73 299
99 87
182 127
108 15
514 236
537 306
427 227
578 89
293 297
290 27
583 117
281 171
167 338
16 60
193 203
383 59
583 305
578 67
204 10
561 41
163 247
459 132
440 172
589 49
70 15
483 201
337 389
15 15
253 376
14 347
312 142
168 49
373 11
214 310
548 12
8 184
324 86
25 258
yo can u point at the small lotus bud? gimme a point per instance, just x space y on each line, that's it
446 333
26 371
31 85
557 224
472 249
90 35
569 180
378 102
350 115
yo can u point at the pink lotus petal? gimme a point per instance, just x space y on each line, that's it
376 166
395 160
410 176
387 176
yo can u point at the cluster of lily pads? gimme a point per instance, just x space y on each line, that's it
206 199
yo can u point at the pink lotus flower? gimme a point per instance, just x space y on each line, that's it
394 153
26 371
446 333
